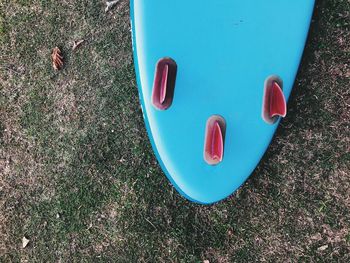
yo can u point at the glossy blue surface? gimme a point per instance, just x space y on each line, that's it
224 50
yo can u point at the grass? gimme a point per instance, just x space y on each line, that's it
78 177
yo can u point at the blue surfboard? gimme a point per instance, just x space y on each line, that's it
213 79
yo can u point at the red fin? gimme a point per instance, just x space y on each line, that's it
274 102
217 143
214 140
164 83
278 105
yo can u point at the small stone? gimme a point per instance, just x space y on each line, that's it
322 248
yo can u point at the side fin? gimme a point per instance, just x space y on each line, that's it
164 83
274 102
278 105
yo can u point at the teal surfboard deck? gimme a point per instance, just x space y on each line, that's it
225 51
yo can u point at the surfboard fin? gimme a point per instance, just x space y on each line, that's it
278 105
274 102
164 83
214 140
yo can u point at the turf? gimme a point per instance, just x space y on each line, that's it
78 177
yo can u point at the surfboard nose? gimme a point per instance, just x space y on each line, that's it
164 83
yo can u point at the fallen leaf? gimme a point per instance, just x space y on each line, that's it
110 5
25 242
322 248
57 59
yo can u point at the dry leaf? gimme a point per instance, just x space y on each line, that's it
57 59
77 43
25 242
322 248
110 5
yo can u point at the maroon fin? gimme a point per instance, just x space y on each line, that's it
278 105
214 140
164 83
274 102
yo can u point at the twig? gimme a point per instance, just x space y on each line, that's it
76 44
110 5
10 69
151 223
